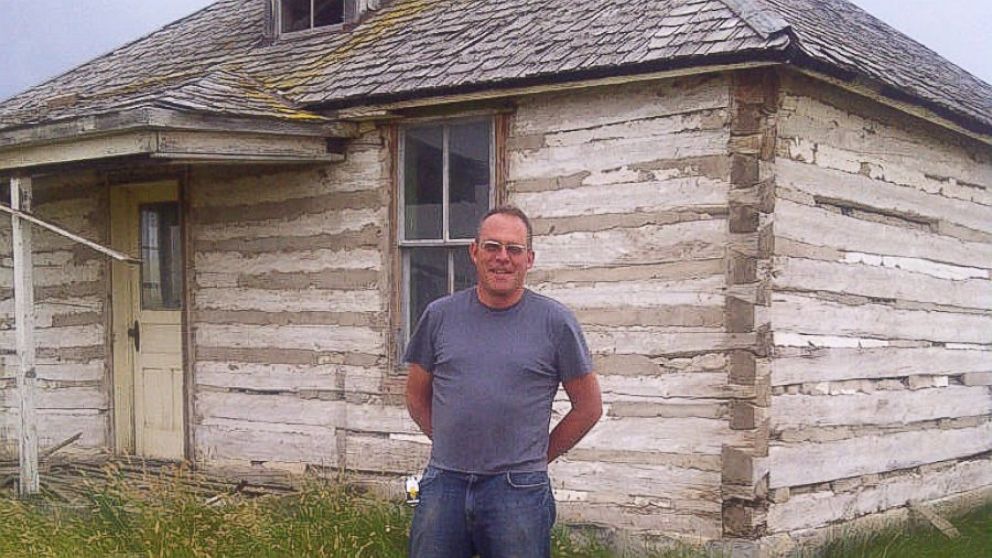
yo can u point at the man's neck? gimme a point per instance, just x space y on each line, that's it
499 302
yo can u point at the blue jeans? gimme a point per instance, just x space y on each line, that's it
508 515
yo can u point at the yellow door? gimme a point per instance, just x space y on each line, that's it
147 330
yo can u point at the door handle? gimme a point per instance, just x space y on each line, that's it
135 333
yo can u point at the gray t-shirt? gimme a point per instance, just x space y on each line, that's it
494 375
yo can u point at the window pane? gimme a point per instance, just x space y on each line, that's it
328 12
464 269
295 15
423 186
469 180
161 257
428 279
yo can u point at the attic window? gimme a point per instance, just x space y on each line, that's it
302 15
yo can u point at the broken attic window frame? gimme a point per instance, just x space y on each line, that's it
301 16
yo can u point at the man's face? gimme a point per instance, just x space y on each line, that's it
501 273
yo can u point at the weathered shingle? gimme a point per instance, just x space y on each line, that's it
218 59
839 33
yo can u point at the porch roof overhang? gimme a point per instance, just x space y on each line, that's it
165 135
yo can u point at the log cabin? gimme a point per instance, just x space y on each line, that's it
772 217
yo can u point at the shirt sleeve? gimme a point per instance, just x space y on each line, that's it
421 348
572 352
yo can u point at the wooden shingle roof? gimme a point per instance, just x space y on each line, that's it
218 60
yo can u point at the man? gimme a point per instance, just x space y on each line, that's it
485 364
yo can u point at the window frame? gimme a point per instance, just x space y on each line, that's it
403 245
347 6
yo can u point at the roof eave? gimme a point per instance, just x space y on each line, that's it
660 69
899 99
791 55
158 118
169 135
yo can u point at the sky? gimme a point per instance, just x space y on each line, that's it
40 39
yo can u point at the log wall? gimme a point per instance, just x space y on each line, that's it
289 312
628 189
881 311
72 315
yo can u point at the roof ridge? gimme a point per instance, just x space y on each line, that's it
764 20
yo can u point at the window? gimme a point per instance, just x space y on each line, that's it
446 177
161 257
301 15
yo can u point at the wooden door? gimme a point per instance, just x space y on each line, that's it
146 221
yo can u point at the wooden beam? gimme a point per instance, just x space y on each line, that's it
945 526
119 256
157 118
176 146
20 200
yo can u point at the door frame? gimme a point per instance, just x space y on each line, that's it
122 385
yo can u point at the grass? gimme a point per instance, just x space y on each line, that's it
922 541
169 517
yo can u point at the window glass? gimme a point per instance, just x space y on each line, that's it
437 263
161 257
428 279
464 270
469 177
295 15
423 176
327 12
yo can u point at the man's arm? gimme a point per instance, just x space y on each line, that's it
587 407
419 392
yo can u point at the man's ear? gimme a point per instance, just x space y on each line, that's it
530 259
473 251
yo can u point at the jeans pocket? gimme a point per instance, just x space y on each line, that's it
533 479
430 475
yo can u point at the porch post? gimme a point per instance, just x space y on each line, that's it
20 199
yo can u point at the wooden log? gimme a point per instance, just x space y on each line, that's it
694 385
804 511
282 409
880 282
943 525
653 341
819 227
695 292
648 244
638 196
267 377
643 515
808 315
330 222
887 197
830 365
304 337
624 479
879 408
889 152
262 441
385 453
301 262
686 435
308 300
620 152
809 463
597 107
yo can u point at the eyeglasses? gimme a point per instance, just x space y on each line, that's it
495 247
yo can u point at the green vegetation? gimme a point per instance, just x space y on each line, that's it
169 518
923 541
175 517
